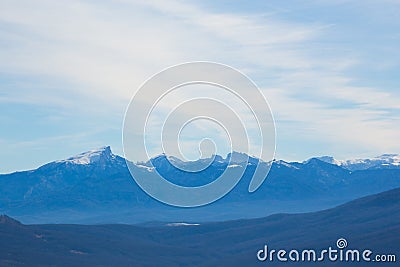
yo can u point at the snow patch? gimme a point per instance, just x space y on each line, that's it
385 160
89 156
234 166
182 224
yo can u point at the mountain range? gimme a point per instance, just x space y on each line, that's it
97 187
368 223
380 162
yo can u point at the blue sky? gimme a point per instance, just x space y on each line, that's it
329 70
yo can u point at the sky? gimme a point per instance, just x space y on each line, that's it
68 69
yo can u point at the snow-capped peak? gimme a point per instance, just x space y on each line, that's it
330 160
174 160
233 158
239 158
393 158
280 163
90 156
385 160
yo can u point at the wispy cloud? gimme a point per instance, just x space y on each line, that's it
96 54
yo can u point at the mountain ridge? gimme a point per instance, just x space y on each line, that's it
96 186
105 153
382 161
366 223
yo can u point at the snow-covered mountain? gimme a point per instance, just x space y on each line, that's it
92 156
233 158
96 186
104 154
385 161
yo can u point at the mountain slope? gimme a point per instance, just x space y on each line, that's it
96 187
367 223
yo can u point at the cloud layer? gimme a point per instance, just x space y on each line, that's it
327 70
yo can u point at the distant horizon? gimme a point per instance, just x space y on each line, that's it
223 157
